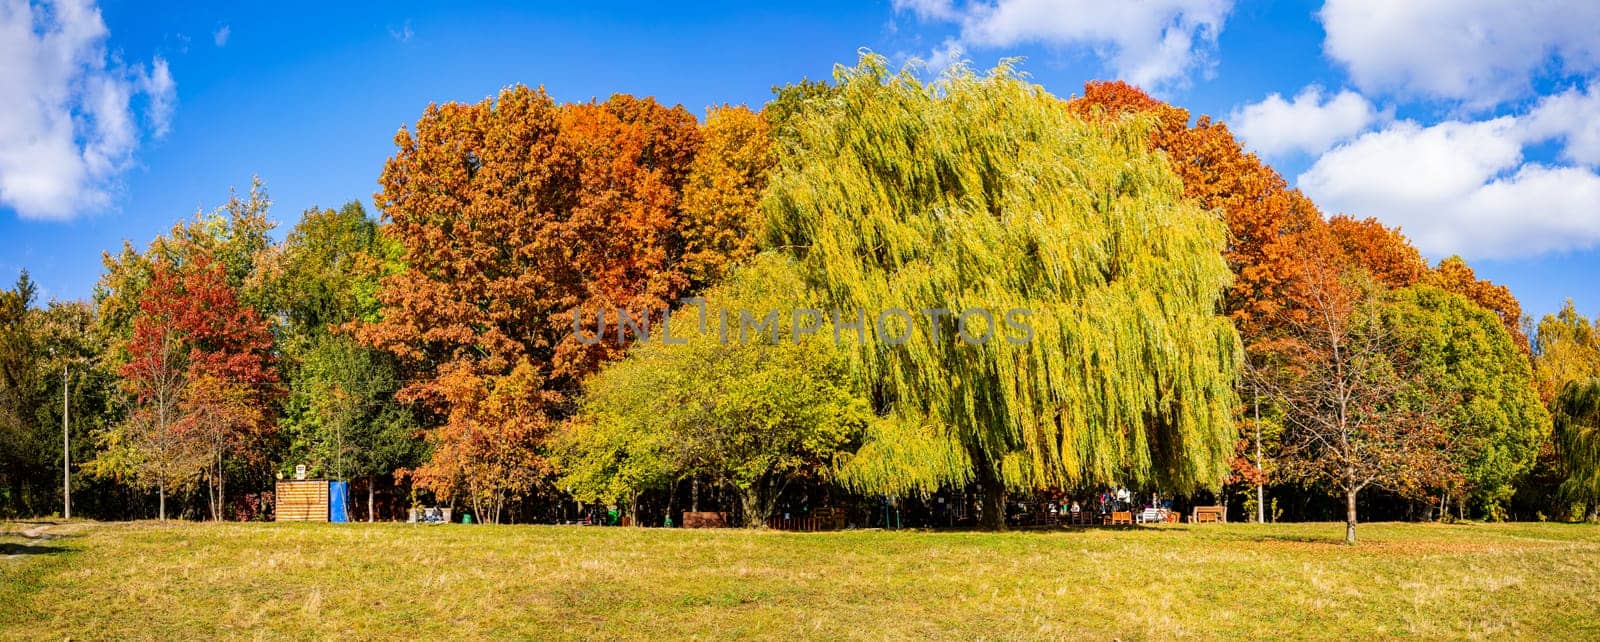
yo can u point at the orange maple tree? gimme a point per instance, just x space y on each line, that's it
517 215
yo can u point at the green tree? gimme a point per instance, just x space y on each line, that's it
1566 349
1577 438
42 349
23 452
987 193
1462 353
341 415
750 411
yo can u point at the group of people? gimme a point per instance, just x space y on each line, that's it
1108 501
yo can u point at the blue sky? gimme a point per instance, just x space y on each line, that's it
1472 127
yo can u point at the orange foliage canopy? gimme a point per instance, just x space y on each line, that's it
514 211
513 214
1383 251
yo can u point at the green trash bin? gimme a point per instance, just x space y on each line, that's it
466 518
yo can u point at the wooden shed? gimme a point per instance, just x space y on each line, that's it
301 501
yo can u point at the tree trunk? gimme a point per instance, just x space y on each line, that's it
161 490
1261 492
755 506
222 494
672 502
372 480
993 498
1350 516
694 494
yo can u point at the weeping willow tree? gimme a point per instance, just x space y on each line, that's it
1577 439
982 192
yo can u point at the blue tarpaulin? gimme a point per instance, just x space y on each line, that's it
338 492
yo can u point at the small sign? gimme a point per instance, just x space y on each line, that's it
300 471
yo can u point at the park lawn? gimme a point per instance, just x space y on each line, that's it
187 580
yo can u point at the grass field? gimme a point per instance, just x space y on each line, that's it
185 581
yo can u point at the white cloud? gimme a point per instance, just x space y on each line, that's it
1150 43
1479 52
68 130
1463 187
402 34
220 36
1309 124
1574 117
943 10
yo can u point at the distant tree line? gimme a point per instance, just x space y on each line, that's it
1197 327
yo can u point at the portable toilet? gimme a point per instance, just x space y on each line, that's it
338 494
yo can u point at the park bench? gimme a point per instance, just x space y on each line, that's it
1209 515
821 519
1122 517
1151 516
429 515
705 519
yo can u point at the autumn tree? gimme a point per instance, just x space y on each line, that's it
200 375
1566 358
224 342
722 195
1566 349
987 193
514 215
1382 251
1353 416
490 450
150 448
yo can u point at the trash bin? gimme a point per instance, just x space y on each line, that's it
466 518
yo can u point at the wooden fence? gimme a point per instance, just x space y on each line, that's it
302 501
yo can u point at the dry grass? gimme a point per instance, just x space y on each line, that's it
186 581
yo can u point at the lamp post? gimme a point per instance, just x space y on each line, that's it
66 449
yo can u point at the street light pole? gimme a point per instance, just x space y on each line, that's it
66 449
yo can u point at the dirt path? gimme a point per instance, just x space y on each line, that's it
36 535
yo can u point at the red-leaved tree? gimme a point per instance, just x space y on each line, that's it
202 378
